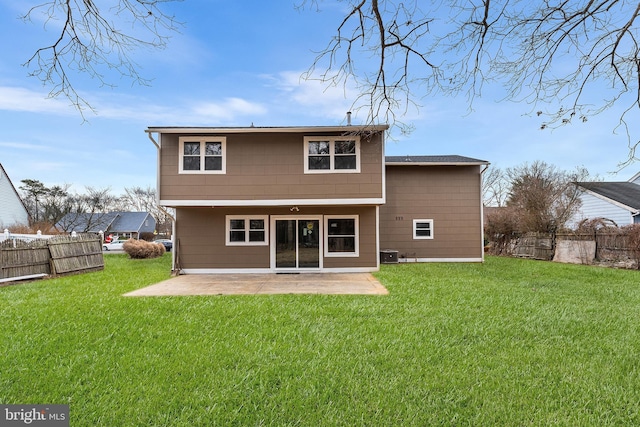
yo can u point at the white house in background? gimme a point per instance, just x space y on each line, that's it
615 201
12 209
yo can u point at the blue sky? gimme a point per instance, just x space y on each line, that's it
235 63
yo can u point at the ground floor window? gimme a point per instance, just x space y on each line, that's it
247 230
341 235
423 229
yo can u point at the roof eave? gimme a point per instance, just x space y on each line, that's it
436 163
288 129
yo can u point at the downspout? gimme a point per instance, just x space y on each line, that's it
482 210
173 219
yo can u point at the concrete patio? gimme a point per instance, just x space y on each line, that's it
253 284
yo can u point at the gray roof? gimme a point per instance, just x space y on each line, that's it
109 222
626 193
434 160
128 222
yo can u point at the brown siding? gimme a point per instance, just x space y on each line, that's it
450 195
266 166
200 233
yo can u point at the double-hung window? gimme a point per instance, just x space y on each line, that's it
341 235
203 154
247 230
331 154
423 229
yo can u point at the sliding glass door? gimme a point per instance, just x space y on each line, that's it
297 243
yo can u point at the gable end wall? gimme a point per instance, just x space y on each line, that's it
12 210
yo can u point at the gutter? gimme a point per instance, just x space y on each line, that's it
149 132
257 129
436 164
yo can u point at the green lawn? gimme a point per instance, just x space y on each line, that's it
508 342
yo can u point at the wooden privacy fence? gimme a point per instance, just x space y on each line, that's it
534 245
50 256
609 246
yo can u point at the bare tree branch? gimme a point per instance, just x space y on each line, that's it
90 40
558 57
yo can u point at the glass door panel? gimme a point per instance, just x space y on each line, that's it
286 243
308 244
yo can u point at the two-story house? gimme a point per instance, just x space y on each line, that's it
296 199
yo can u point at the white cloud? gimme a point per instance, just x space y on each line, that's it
26 147
325 99
21 99
320 98
118 106
227 110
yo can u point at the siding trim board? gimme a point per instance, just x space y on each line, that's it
407 260
272 202
270 271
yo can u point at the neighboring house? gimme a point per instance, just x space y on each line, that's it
124 224
12 209
298 199
615 201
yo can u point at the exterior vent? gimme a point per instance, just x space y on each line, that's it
388 257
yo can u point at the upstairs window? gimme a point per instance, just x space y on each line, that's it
202 155
335 154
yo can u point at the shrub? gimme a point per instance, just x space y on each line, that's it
501 228
139 249
42 226
148 236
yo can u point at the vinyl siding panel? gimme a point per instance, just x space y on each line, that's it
595 207
12 211
269 167
449 195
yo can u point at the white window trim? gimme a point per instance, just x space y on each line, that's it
415 223
247 219
202 140
332 140
356 253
